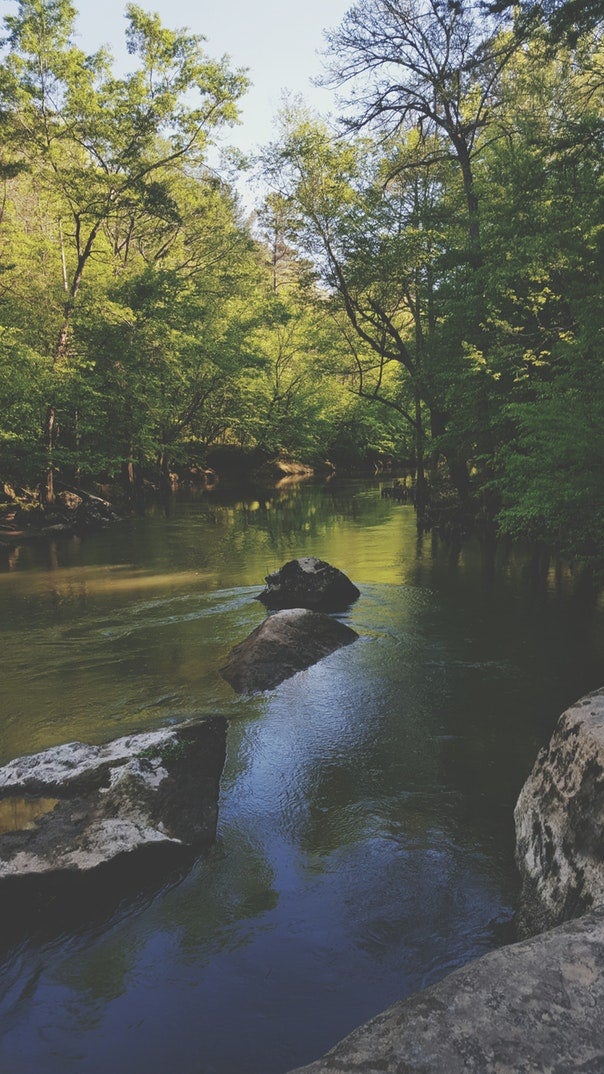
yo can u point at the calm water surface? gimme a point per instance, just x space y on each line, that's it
365 833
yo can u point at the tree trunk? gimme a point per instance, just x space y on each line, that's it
163 462
47 483
47 489
474 244
421 491
458 468
129 477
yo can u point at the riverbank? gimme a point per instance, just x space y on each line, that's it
232 471
23 518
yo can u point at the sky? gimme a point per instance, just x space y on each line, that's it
277 40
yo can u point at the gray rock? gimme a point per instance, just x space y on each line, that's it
533 1007
75 808
308 583
283 644
69 500
560 821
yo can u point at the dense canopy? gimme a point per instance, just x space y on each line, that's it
420 287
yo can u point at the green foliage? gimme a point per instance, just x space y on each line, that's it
562 20
551 474
459 240
425 287
24 384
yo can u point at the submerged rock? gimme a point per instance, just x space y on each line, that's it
76 808
560 821
308 583
283 644
529 1007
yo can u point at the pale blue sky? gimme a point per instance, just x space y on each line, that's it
277 40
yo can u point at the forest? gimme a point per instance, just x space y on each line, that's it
418 288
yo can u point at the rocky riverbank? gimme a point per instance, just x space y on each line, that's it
531 1007
24 518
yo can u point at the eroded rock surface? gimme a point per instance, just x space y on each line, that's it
533 1007
308 583
560 821
283 644
75 808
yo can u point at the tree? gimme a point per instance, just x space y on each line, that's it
169 333
435 71
22 391
106 146
545 298
371 219
427 65
564 20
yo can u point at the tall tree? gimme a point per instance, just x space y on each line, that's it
435 70
427 65
370 217
106 145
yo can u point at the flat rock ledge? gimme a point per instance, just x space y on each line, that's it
533 1007
286 642
559 821
73 809
308 583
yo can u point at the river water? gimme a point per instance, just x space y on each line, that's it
365 837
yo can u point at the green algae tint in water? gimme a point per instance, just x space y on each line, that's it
365 835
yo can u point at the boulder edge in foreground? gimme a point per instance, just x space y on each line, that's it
286 642
535 1005
525 1008
559 821
308 583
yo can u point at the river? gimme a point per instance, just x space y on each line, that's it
365 836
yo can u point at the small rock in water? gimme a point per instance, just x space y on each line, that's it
286 642
308 583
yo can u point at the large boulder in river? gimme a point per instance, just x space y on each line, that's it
308 583
283 644
534 1006
77 809
560 821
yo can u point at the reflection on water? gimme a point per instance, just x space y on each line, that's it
77 583
365 836
21 814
